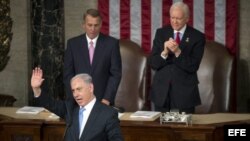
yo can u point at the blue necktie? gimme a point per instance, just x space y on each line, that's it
81 117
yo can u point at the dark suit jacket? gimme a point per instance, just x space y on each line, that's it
102 124
106 67
181 72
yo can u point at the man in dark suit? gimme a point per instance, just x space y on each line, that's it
104 65
99 122
176 56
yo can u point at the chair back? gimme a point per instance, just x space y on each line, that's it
215 76
131 91
6 100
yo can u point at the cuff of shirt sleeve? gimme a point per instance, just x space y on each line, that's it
164 57
36 96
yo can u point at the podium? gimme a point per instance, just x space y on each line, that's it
16 127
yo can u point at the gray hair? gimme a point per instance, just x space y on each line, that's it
181 5
83 76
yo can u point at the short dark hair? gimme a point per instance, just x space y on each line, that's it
92 12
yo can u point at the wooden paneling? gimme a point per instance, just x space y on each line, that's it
21 130
40 130
54 131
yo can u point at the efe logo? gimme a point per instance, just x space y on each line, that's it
237 132
240 132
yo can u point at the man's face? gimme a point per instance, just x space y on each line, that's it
177 18
92 26
82 92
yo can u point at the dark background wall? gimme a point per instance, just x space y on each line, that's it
47 44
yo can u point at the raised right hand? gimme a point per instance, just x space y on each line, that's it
37 80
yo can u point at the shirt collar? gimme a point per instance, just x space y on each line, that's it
90 105
93 40
182 30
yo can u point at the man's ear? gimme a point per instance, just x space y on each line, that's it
83 26
91 86
101 23
187 19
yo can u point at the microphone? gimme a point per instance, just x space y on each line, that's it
119 109
65 131
72 138
68 119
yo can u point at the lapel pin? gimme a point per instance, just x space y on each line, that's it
187 39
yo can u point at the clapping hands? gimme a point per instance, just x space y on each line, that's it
172 46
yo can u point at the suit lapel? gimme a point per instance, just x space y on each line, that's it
85 50
99 51
185 39
91 121
169 34
75 125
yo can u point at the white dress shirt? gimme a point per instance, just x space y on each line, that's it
93 40
86 113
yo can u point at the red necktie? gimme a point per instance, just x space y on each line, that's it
91 51
178 39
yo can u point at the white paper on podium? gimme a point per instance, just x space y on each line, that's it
30 110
